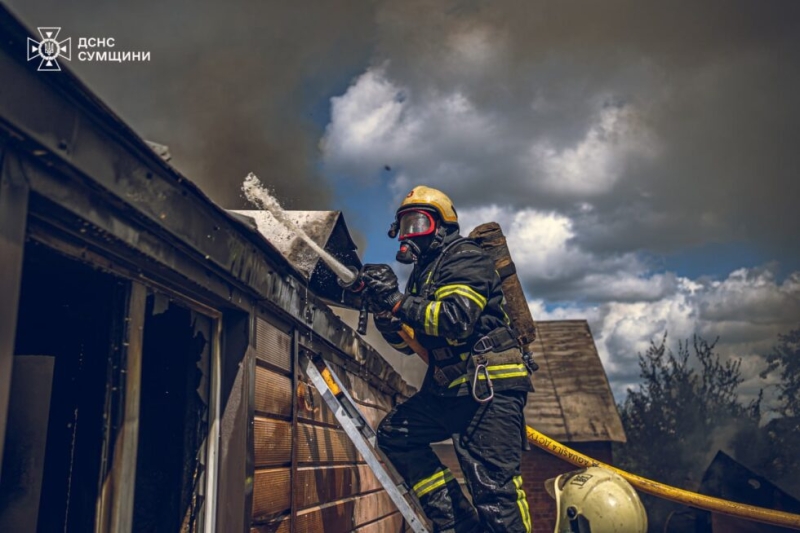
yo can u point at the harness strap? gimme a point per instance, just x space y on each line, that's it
425 293
449 374
497 340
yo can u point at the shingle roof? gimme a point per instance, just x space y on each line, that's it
573 401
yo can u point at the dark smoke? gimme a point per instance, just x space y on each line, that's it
231 88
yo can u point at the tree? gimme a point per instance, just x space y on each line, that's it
684 411
785 357
780 448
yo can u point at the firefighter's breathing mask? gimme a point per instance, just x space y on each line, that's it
415 223
408 253
414 228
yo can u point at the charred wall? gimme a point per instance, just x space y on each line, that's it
308 476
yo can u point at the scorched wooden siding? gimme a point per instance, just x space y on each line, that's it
306 469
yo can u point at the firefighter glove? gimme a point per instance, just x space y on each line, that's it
382 286
387 323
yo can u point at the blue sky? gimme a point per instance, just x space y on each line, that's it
646 178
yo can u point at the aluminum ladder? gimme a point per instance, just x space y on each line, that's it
363 436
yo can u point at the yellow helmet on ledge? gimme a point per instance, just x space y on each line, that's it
596 500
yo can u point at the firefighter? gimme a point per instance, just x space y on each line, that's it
596 500
477 382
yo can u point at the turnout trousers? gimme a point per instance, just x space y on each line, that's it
488 440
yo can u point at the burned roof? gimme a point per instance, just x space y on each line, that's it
319 225
573 400
326 228
729 479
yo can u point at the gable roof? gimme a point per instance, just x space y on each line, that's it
327 229
573 400
321 226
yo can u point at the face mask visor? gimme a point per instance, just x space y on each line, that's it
415 223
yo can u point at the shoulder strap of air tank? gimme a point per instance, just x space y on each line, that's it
435 269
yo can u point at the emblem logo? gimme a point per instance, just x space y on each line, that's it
580 479
49 49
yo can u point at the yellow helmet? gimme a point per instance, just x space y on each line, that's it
422 197
596 500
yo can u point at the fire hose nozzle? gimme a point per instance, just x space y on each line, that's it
355 283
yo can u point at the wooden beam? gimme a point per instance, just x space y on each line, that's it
13 216
128 441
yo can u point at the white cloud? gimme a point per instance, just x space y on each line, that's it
378 122
752 295
622 330
597 161
539 240
627 305
445 138
548 258
368 126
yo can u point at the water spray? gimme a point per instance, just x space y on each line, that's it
257 194
348 277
